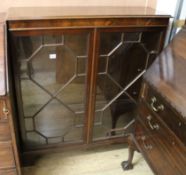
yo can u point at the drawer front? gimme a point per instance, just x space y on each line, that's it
8 172
159 153
154 126
6 156
4 131
146 117
162 110
3 110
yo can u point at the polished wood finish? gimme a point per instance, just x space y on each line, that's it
14 141
127 165
6 156
168 115
84 17
87 23
4 131
3 104
9 159
142 21
162 155
160 131
167 73
8 172
91 89
67 20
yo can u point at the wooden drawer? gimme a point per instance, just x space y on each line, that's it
4 131
3 109
6 156
162 110
8 172
155 126
159 153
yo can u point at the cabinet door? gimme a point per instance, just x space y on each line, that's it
50 73
124 55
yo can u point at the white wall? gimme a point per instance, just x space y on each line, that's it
166 6
183 12
5 4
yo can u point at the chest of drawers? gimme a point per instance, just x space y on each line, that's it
160 127
161 135
9 163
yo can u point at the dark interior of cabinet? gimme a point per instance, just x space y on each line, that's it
51 73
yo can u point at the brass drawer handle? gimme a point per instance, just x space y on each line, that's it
152 126
5 111
154 108
145 145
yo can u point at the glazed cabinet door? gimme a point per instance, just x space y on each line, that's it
50 75
79 86
124 55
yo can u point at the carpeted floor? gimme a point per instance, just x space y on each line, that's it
99 161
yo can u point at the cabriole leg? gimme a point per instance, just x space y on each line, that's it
127 165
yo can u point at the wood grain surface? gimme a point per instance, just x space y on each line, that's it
167 74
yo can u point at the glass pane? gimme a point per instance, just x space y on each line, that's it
107 89
132 37
33 97
52 87
77 43
120 68
26 46
54 120
34 139
29 124
109 42
81 62
53 72
73 94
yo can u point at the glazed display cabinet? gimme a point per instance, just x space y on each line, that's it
74 74
79 84
52 79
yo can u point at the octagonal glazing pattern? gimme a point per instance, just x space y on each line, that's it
123 58
52 73
54 125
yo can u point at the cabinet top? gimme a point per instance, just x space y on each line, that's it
22 13
73 17
167 73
